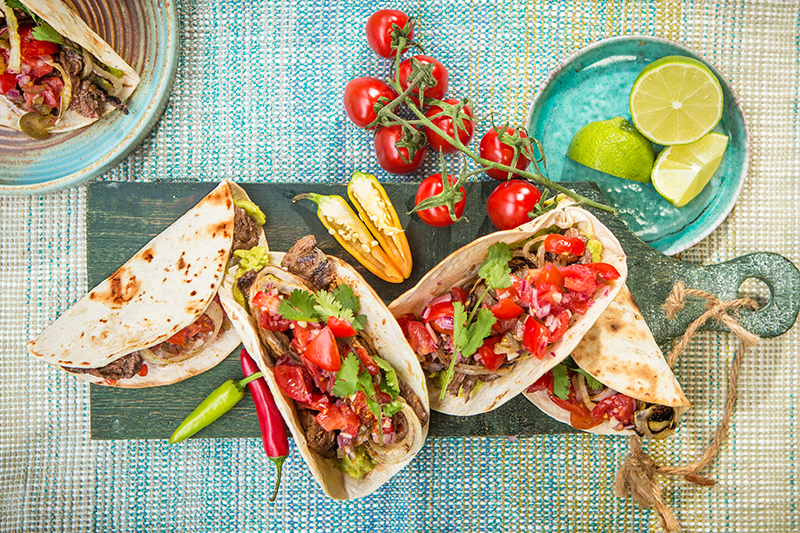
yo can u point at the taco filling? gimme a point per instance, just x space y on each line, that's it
350 403
523 300
44 74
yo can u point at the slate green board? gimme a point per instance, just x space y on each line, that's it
122 217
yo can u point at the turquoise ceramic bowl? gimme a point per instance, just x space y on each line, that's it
594 84
145 34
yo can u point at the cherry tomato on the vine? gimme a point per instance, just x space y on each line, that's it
509 204
379 31
445 123
439 72
492 149
389 156
360 97
438 216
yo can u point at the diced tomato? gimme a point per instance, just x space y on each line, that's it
583 419
262 300
548 294
31 47
579 303
514 291
619 407
340 327
503 326
441 310
459 294
563 323
506 309
579 415
579 278
359 404
179 337
604 270
543 383
143 370
339 417
551 275
560 244
268 306
274 322
420 338
8 81
319 401
317 374
403 321
204 324
535 337
303 335
294 381
491 359
323 352
367 360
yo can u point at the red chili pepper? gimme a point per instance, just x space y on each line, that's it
270 421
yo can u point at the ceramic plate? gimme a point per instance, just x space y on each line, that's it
145 34
594 84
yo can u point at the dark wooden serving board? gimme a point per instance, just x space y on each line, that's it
122 217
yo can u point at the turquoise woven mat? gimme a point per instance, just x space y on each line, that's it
258 98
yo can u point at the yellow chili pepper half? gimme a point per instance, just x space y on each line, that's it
341 222
376 210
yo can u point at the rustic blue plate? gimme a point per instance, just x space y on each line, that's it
594 84
145 34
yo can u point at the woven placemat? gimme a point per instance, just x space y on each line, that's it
258 98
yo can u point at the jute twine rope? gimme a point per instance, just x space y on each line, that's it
636 476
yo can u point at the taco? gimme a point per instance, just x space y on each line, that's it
616 381
349 387
157 319
497 314
56 74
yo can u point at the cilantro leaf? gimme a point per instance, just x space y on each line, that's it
391 409
591 382
346 297
327 306
561 381
467 338
347 378
389 383
340 303
299 306
45 32
16 4
478 331
359 322
365 383
494 268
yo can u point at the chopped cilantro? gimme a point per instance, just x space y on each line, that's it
300 305
467 337
389 383
346 383
45 32
561 381
494 268
591 382
320 306
391 409
347 298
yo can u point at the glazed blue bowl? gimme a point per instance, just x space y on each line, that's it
594 84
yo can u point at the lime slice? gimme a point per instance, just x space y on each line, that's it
676 100
615 147
681 172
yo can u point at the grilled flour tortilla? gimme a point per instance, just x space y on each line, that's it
460 270
157 320
305 269
99 79
639 393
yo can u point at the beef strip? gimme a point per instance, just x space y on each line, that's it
246 281
467 385
400 424
245 230
413 401
321 441
307 261
72 61
85 99
123 368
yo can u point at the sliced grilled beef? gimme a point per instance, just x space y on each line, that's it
86 99
245 230
123 368
413 401
304 259
321 441
71 60
246 281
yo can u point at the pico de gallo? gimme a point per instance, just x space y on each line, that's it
548 279
353 407
44 74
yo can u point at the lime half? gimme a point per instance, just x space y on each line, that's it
681 172
615 147
676 100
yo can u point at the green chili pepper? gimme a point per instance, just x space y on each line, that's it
217 404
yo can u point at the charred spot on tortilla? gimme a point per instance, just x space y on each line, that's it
181 262
192 293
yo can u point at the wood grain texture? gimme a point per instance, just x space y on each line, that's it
123 216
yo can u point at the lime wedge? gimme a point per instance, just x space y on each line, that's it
615 147
676 100
681 172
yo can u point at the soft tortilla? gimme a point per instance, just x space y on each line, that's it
461 267
389 341
66 22
163 288
620 352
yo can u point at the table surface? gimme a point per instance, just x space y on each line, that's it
258 99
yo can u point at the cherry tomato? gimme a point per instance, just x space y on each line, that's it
619 406
379 31
491 359
606 271
31 48
360 97
323 352
294 381
534 337
510 202
439 73
506 309
563 245
445 123
438 216
578 278
389 156
340 327
492 149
